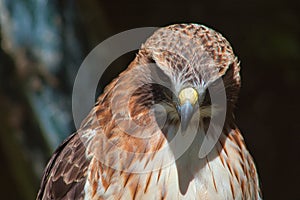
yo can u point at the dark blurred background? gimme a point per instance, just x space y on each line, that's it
44 42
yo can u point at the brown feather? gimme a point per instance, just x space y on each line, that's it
116 154
64 176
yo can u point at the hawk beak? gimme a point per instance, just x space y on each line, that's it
188 98
186 113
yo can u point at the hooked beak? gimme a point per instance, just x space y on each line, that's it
188 98
186 113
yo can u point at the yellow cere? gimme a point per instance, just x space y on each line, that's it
188 94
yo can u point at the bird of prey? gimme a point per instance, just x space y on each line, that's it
133 143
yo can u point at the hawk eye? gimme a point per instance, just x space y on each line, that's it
161 93
206 99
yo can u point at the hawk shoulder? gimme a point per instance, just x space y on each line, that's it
65 174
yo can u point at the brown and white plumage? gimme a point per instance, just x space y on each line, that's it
122 149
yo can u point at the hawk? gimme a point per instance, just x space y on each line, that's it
133 144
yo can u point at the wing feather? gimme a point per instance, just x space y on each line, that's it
65 174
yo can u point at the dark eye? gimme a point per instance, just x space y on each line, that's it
206 100
162 93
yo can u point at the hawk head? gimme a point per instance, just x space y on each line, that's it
186 62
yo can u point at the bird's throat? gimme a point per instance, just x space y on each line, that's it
189 164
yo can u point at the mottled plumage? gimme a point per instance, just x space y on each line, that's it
123 151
